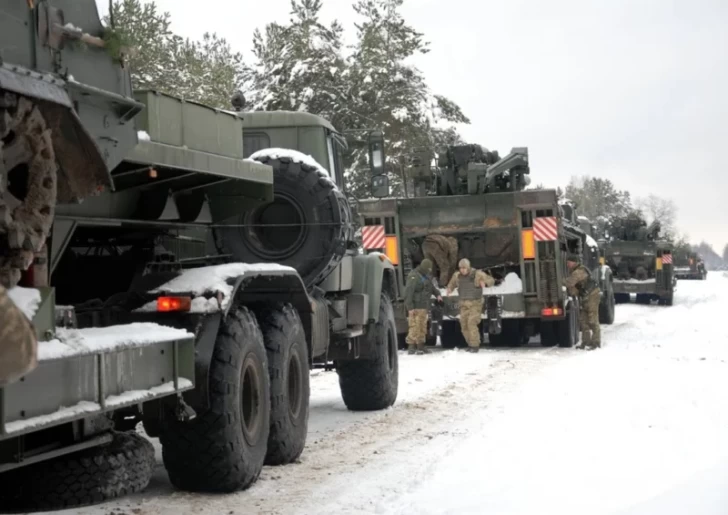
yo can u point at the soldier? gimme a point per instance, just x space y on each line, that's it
470 284
417 295
580 283
443 250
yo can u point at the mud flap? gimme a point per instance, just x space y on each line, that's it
494 310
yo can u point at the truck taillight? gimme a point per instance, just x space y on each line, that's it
171 304
552 312
528 245
390 249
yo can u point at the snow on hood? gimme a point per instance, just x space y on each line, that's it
293 155
591 242
143 136
81 342
211 280
27 300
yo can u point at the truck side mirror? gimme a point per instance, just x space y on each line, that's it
376 153
380 186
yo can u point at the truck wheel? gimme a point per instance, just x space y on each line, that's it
606 308
223 448
285 342
91 476
371 384
451 336
549 334
568 328
512 335
306 226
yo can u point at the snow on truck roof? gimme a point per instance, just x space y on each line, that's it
268 119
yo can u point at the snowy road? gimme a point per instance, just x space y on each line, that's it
639 427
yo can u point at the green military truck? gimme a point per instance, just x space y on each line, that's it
167 296
642 263
689 265
519 236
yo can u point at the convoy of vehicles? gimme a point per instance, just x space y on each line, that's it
191 290
183 267
689 265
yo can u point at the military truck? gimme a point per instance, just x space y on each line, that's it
642 263
142 308
593 257
689 265
519 236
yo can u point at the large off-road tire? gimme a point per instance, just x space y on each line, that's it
28 160
451 335
307 226
224 447
512 335
606 307
549 334
285 342
568 328
372 384
91 476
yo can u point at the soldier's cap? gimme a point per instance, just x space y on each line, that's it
426 265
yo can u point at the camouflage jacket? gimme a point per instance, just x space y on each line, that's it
580 282
418 291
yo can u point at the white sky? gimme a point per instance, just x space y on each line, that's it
632 90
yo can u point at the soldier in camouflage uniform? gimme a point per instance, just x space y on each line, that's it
470 284
417 296
443 251
580 283
18 344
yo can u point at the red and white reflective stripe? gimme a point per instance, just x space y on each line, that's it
545 228
373 237
667 259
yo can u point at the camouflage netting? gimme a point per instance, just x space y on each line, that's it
26 156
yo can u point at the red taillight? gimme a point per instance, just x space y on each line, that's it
167 304
552 312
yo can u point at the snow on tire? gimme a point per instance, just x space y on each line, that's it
371 384
285 343
91 476
223 448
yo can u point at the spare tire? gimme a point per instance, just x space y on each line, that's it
307 225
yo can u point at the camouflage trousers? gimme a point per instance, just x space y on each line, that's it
470 316
417 325
443 251
589 320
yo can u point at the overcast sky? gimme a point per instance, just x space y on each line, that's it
632 90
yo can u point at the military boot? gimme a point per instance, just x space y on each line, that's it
474 350
585 340
421 349
411 348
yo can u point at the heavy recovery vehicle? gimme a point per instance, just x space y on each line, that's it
641 261
688 264
150 273
519 236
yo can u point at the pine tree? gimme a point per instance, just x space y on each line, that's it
299 66
388 93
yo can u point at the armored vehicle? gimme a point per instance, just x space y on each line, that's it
641 262
159 299
689 265
479 201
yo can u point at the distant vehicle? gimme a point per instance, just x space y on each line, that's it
642 263
689 265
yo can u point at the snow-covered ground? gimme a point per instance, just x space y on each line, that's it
638 427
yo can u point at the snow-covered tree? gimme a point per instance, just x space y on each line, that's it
598 197
206 71
725 254
388 93
661 209
299 65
